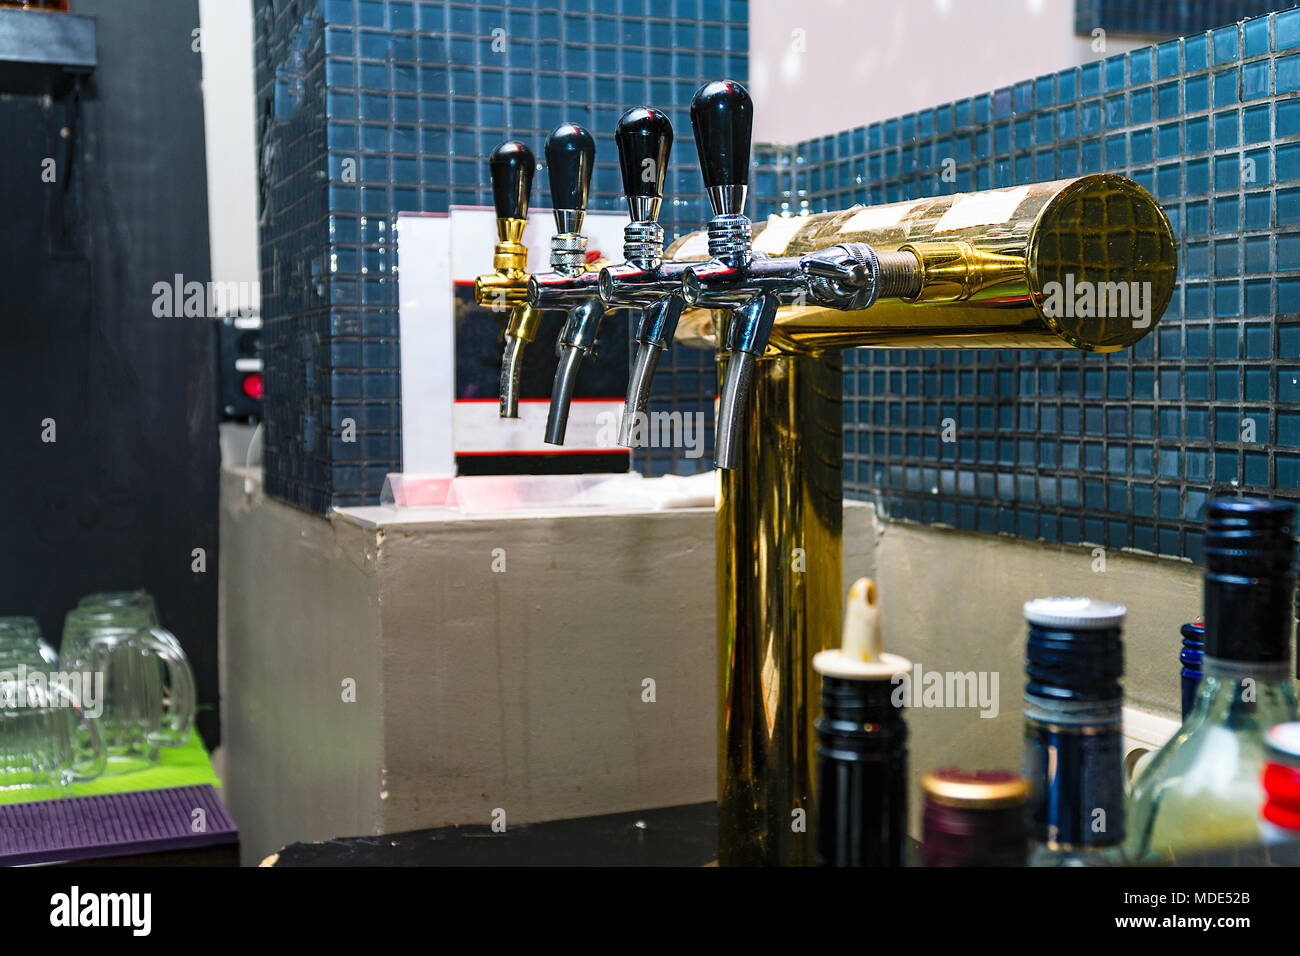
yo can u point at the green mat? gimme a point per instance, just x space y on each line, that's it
177 767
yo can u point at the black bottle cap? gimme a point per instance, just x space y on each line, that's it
1249 579
511 165
1075 649
722 115
1249 535
644 137
570 156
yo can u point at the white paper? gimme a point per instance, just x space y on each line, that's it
593 426
982 209
428 336
696 247
776 235
878 217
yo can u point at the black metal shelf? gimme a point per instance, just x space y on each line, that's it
40 52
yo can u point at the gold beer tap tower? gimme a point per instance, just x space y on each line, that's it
987 270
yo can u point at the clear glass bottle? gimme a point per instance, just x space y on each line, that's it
1202 790
1073 759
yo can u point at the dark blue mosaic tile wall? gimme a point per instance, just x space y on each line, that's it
371 107
1166 17
1120 450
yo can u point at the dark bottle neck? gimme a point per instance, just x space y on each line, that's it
1249 618
1074 665
868 702
969 836
1249 580
861 774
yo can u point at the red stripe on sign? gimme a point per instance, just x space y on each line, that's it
494 401
558 451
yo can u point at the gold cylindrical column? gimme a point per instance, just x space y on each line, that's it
778 558
998 269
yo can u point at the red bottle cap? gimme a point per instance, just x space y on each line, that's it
1282 775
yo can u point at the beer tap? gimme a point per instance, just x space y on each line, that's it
644 280
571 285
848 276
511 166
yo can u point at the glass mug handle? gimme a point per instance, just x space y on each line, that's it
178 714
98 752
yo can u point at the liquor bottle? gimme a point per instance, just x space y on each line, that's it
861 743
1202 789
1073 762
1191 658
974 819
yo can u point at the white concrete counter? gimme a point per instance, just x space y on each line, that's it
499 663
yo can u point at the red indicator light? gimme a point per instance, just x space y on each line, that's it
252 385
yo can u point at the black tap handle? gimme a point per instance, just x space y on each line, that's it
644 137
511 165
723 117
570 156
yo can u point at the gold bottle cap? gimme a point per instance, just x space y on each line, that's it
979 789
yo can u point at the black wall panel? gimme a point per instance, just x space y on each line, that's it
128 489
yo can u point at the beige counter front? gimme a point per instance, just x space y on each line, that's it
389 670
386 671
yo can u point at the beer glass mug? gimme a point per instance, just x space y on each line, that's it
138 600
25 633
47 739
133 606
148 688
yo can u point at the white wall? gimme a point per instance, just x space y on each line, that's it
229 112
821 66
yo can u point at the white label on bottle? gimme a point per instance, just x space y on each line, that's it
982 209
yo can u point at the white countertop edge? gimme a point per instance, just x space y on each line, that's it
379 517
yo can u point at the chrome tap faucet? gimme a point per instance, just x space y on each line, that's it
571 285
644 137
849 276
722 116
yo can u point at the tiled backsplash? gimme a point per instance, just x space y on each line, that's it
1120 450
374 107
1165 17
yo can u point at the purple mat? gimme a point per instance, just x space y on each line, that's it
115 824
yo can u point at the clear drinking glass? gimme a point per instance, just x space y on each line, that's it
148 687
138 598
48 740
127 601
25 634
